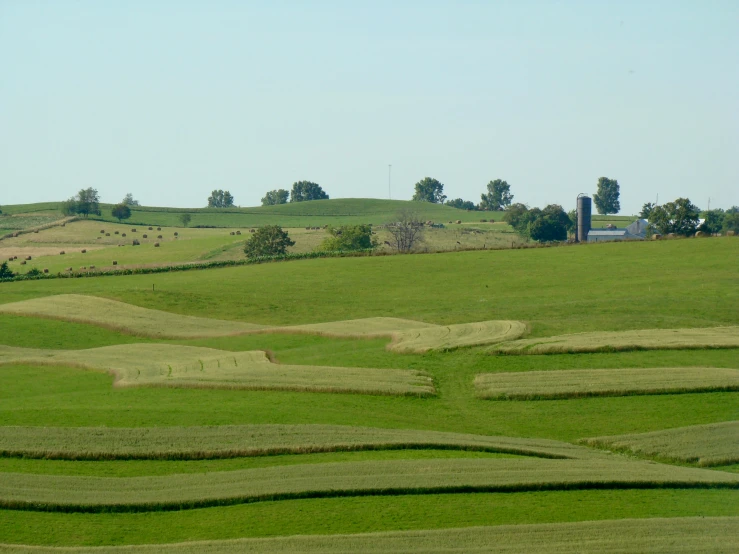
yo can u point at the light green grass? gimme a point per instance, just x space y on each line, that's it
534 385
169 365
643 339
706 445
75 493
676 535
360 514
226 441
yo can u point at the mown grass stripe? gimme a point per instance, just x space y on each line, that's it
184 491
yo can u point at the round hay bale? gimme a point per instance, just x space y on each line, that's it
115 262
159 228
483 221
10 259
232 233
176 233
123 235
700 234
156 245
83 268
107 234
35 230
251 230
159 236
62 253
133 230
23 262
69 269
730 233
146 236
135 242
117 232
238 232
46 270
83 251
151 228
459 221
671 235
28 258
102 231
92 267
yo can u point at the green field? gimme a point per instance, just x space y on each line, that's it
346 463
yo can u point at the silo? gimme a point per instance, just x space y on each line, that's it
584 210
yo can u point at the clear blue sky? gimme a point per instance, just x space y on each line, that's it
169 100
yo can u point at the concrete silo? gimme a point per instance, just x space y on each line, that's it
584 210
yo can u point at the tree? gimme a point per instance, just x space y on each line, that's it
517 217
220 199
549 224
303 191
498 197
121 212
128 200
5 271
713 221
462 204
572 223
731 221
86 202
646 209
429 190
274 197
606 199
185 219
349 237
679 217
406 231
269 240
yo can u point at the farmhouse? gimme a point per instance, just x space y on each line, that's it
636 231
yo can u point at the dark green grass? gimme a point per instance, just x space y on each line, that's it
558 290
357 515
138 468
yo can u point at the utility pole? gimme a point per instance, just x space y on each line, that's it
389 172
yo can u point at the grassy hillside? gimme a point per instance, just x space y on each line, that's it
601 287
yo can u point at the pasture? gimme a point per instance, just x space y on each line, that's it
344 463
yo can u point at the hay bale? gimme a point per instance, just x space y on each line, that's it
671 235
61 253
251 230
46 270
159 236
156 245
135 242
102 231
151 228
700 234
232 233
69 269
459 221
83 251
730 233
83 268
10 259
146 236
107 234
159 228
28 258
23 262
133 230
115 262
117 232
176 233
123 235
483 221
35 230
238 232
92 267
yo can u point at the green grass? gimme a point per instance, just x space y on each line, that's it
647 535
185 491
359 515
230 441
706 445
542 385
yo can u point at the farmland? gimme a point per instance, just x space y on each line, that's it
195 463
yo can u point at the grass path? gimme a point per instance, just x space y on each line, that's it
668 536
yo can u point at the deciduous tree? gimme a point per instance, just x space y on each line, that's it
713 221
275 197
220 199
129 200
121 212
606 199
406 230
646 209
304 191
349 237
679 217
498 197
185 219
429 190
269 240
461 204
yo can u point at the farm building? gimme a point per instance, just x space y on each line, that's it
636 231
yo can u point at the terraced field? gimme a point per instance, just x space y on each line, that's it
232 454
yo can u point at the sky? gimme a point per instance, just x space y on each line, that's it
169 100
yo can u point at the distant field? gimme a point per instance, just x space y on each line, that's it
227 441
706 445
167 365
541 385
655 536
178 491
642 339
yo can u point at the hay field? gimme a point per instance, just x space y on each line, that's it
542 385
124 317
714 444
227 441
694 535
388 477
643 339
407 336
169 365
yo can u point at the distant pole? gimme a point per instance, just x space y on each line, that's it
389 172
709 203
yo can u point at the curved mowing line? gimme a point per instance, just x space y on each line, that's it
406 335
180 491
654 535
194 443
